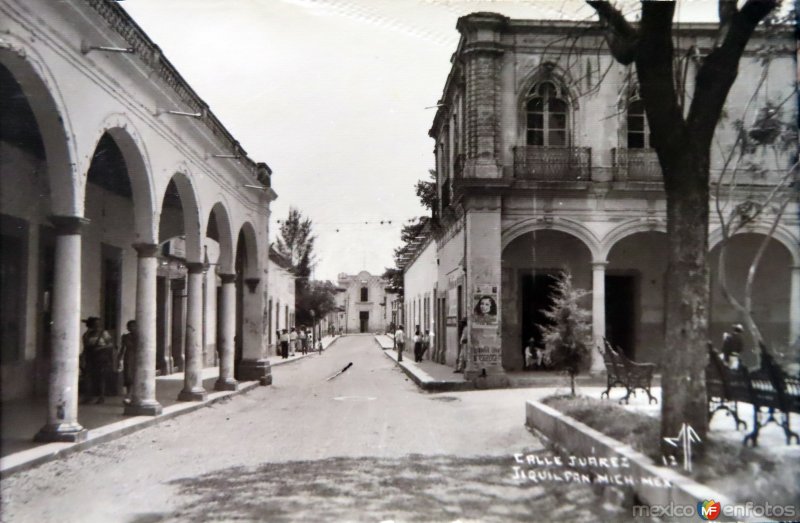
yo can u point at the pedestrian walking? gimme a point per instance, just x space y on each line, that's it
293 340
126 359
98 348
284 344
417 339
463 339
303 337
426 344
399 340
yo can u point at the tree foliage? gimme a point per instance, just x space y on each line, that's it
568 338
296 242
395 278
426 192
318 296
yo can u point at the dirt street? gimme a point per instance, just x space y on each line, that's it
365 446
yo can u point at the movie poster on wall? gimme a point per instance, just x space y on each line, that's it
484 307
484 350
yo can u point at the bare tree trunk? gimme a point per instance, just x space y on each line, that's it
687 315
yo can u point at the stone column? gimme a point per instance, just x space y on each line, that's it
62 398
193 355
227 308
794 305
598 313
255 365
483 278
144 401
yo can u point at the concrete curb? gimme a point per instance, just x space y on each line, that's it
27 459
581 440
424 380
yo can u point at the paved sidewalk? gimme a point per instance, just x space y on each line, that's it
22 419
436 377
429 376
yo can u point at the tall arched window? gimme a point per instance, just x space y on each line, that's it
547 116
638 130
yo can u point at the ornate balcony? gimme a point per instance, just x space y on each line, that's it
567 164
636 165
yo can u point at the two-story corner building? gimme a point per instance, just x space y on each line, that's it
122 196
281 303
544 163
364 301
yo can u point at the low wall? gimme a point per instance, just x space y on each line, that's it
662 486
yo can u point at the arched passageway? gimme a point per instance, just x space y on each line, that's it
771 290
529 263
183 266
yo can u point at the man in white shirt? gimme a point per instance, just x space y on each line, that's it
400 341
293 340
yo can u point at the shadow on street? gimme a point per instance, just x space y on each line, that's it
415 488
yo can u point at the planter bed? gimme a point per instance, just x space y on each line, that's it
729 472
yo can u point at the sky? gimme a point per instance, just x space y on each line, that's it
336 97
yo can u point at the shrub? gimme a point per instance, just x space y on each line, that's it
568 338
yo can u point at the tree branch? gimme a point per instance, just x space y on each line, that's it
726 9
718 71
654 69
621 36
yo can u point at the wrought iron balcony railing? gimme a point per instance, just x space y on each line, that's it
636 165
552 163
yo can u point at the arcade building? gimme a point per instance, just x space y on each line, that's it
122 196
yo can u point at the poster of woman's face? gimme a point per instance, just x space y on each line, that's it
485 310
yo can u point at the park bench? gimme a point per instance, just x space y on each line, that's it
773 393
726 387
622 372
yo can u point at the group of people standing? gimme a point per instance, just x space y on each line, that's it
422 342
293 340
98 361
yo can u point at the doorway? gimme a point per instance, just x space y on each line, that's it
363 318
537 289
110 293
621 307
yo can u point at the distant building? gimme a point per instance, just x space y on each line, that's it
544 164
364 301
281 302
